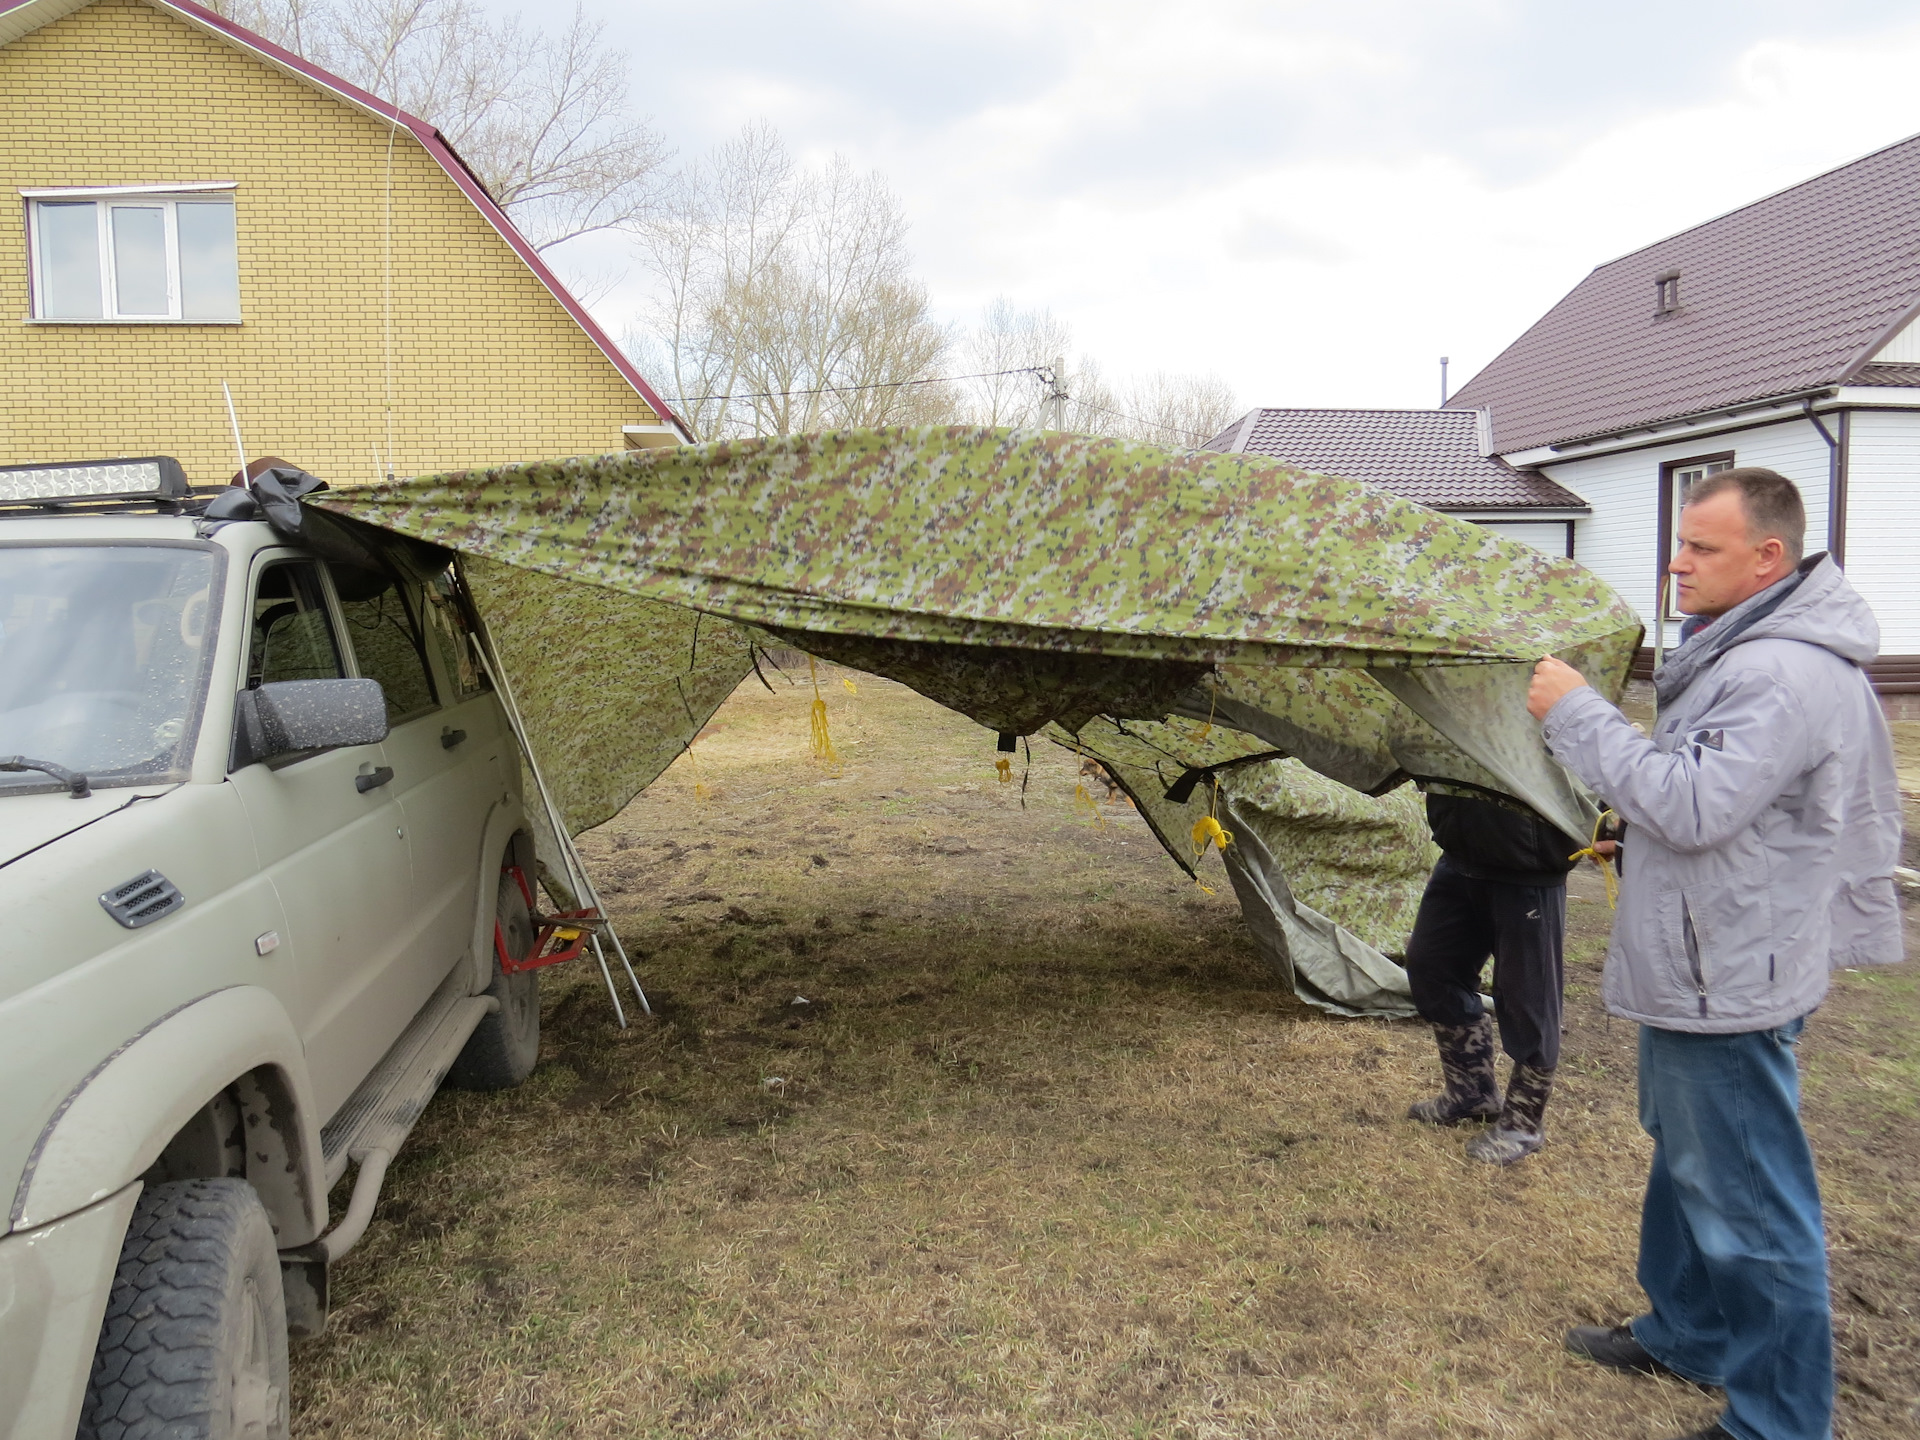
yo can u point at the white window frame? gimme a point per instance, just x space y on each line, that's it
163 197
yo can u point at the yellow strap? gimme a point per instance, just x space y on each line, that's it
1592 853
822 742
1005 767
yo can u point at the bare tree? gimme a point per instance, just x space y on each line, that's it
786 298
1161 408
1009 346
543 119
1003 353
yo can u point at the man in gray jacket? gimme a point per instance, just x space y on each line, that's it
1763 827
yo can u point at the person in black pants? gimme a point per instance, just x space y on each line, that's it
1500 889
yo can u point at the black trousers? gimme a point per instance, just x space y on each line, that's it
1523 927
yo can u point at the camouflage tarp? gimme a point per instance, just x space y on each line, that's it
1188 619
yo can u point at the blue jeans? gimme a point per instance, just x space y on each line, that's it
1733 1255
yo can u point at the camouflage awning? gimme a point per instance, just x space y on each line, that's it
1185 618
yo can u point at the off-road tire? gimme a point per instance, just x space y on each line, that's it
194 1344
503 1047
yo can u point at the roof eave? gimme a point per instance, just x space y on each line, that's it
1486 513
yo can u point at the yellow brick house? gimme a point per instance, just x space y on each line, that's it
197 206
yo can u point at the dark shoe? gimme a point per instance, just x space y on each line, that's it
1521 1128
1466 1060
1615 1348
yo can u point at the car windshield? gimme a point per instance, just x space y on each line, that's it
103 654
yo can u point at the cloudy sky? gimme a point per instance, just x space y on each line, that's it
1314 201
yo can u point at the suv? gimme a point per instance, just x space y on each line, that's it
263 874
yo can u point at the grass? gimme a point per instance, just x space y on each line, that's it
966 1119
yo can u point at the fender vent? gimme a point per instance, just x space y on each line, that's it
142 900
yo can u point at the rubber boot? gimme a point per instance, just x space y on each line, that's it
1466 1060
1519 1131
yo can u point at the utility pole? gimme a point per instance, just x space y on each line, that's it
1056 396
1443 380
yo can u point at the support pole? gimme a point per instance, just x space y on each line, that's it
577 876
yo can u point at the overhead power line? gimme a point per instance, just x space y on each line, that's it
1140 420
1044 373
1040 370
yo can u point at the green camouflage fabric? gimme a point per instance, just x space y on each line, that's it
1167 613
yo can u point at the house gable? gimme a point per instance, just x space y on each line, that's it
1787 296
391 318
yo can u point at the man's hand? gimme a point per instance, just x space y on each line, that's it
1551 680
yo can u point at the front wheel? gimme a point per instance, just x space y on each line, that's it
194 1343
503 1047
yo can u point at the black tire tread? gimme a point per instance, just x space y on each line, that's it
152 1369
487 1061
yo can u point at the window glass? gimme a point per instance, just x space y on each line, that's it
103 658
209 265
69 260
158 258
449 631
381 630
292 634
139 259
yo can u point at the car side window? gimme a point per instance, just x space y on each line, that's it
292 636
385 638
450 628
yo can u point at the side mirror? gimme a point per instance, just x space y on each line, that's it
287 716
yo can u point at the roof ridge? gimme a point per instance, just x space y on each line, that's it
1758 200
1363 410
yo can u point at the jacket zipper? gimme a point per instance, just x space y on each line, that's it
1693 954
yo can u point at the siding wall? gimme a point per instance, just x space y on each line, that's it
1619 542
1547 535
486 366
1883 523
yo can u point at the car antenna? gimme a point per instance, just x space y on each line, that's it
234 419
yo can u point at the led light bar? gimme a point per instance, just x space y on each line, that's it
157 477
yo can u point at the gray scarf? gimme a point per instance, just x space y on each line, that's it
1687 663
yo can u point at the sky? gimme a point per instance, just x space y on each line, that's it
1313 201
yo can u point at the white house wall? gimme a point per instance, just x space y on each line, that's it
1883 522
1547 535
1620 540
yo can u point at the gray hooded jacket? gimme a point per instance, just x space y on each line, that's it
1764 813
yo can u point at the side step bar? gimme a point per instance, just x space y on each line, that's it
388 1124
370 1129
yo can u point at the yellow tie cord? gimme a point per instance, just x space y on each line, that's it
822 749
1005 767
1592 852
1206 830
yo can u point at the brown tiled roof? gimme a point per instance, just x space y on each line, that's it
1432 457
1886 373
1789 294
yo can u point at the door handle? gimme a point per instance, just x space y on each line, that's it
449 737
380 776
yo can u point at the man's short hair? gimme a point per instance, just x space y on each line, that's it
1771 501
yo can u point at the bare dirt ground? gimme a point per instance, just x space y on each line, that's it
967 1119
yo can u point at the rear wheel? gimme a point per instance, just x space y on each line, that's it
503 1047
194 1343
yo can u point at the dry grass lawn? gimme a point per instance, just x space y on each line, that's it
967 1119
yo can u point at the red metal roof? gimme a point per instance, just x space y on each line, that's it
1791 294
1432 457
435 145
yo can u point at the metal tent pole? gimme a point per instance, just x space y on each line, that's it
577 876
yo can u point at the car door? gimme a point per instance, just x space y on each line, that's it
331 836
444 749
